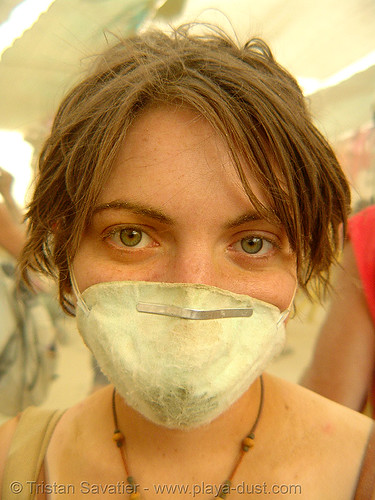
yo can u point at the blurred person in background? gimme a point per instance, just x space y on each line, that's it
30 321
343 364
12 231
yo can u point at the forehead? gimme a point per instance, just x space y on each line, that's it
172 156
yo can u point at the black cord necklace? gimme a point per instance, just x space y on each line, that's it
246 444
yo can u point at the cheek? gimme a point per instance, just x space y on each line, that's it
276 287
275 283
281 291
89 269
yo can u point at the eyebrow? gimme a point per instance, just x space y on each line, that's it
135 208
156 214
242 219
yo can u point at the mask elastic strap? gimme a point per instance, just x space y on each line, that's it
80 301
284 314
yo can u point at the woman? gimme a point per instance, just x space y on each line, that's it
182 197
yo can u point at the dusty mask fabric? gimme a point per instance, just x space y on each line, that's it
178 372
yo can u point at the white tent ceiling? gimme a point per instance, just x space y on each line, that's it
312 39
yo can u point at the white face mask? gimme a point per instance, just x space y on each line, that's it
179 354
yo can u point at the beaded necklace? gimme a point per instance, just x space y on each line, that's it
246 444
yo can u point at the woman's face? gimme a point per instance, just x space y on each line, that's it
174 210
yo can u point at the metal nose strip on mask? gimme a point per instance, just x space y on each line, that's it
185 313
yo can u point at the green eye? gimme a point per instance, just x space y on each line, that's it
130 237
252 245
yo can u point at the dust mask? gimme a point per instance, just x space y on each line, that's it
179 354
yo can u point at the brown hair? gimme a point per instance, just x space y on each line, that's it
253 102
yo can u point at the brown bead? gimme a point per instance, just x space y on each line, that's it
118 437
247 443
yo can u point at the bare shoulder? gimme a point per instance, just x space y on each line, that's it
320 415
325 441
7 431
